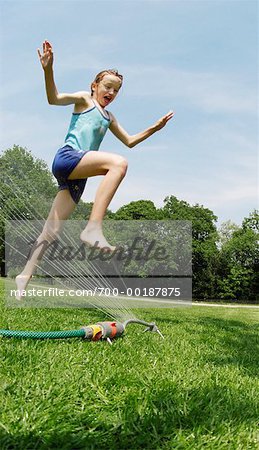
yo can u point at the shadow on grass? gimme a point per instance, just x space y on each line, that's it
170 412
239 340
166 416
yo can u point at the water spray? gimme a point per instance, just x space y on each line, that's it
106 331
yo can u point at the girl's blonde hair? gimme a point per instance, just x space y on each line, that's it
101 74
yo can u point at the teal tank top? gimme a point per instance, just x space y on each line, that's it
87 129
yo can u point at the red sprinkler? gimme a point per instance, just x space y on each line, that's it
99 331
111 330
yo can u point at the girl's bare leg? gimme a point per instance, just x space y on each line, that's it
114 168
93 163
61 209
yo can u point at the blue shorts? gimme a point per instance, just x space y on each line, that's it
66 159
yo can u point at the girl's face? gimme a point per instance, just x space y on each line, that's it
106 90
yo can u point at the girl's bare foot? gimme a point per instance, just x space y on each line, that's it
21 284
93 236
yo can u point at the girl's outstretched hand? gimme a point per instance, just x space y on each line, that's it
163 121
46 58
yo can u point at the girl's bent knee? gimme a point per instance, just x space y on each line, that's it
122 165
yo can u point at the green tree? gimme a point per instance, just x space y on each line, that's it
83 211
138 210
239 262
204 238
27 190
252 221
226 231
27 185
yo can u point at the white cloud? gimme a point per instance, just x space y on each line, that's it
83 60
209 91
207 157
227 202
32 131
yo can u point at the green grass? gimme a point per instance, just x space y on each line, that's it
197 389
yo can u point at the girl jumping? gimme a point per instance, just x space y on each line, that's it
79 159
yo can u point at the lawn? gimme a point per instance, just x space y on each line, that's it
196 389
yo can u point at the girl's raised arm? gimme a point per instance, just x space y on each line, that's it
54 97
132 140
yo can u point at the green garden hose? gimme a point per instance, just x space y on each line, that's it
42 334
96 332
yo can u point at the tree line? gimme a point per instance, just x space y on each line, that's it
224 260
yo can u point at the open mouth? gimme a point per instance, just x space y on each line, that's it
107 99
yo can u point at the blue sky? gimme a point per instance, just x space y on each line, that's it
198 58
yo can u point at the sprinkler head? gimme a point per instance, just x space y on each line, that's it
153 328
